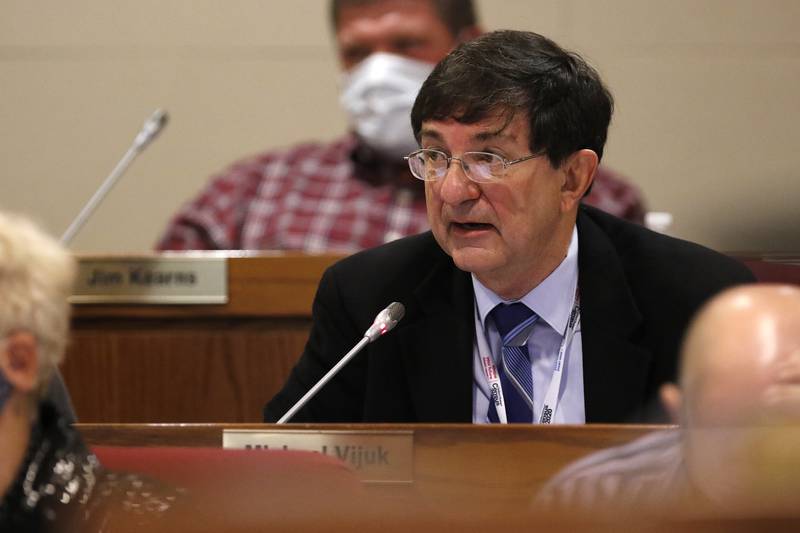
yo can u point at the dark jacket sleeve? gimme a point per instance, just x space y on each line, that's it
332 335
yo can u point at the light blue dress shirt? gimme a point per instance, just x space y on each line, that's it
552 300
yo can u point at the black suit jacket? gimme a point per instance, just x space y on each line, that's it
638 291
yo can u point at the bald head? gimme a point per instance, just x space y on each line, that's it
741 358
740 382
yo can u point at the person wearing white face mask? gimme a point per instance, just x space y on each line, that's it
377 96
49 479
355 192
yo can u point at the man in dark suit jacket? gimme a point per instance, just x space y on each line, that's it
526 121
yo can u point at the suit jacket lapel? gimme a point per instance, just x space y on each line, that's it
614 368
437 345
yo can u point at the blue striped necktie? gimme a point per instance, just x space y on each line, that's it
515 365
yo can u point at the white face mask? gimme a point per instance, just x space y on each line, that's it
378 95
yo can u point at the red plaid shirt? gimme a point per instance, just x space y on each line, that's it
324 197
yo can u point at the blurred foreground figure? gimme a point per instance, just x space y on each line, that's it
737 452
48 479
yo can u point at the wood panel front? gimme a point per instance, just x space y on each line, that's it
195 363
180 370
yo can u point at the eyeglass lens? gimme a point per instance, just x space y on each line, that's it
431 165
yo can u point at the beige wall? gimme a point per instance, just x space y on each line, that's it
707 95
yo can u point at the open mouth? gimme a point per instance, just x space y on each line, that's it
472 226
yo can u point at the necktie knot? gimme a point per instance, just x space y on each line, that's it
511 319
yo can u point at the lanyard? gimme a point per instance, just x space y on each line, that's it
550 403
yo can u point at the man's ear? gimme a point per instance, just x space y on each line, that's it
672 400
19 361
579 169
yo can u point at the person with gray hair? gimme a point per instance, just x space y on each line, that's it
737 450
48 478
36 277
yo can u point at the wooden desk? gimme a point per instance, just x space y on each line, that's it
221 363
458 466
195 363
466 478
774 267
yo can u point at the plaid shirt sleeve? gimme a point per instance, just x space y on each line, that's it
214 219
305 198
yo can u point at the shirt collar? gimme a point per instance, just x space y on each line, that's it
552 299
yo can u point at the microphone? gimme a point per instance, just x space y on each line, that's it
383 324
150 130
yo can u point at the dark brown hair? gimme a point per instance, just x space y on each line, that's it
506 72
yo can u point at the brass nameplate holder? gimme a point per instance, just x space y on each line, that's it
152 280
375 456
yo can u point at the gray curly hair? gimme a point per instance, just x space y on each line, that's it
36 277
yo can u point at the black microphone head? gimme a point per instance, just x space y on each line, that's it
386 320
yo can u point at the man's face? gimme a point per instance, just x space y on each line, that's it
497 230
410 28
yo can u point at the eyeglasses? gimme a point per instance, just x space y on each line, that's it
481 167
